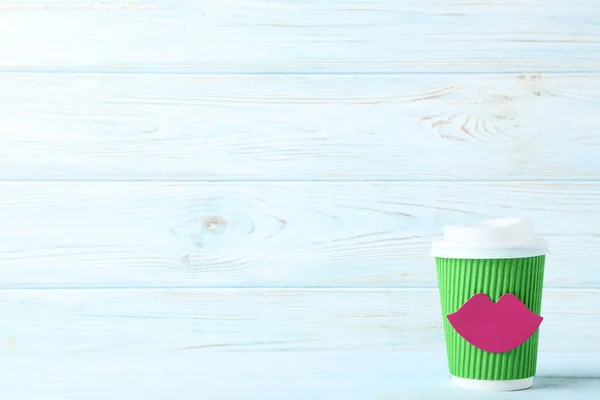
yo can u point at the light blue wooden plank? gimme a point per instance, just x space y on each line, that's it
414 127
272 375
307 35
127 234
116 322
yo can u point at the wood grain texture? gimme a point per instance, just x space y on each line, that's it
342 127
77 322
127 234
306 36
350 375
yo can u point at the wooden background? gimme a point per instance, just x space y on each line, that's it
192 176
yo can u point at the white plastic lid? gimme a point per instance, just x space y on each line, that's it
497 238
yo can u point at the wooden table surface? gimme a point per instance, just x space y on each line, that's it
214 374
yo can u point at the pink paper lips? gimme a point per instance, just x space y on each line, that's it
495 327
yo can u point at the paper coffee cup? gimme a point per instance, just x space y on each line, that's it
491 343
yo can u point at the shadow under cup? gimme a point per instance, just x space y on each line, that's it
458 280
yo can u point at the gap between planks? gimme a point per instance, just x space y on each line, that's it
110 70
306 289
292 181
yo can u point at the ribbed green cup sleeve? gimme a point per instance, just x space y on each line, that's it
459 280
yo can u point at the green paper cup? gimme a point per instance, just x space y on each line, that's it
496 257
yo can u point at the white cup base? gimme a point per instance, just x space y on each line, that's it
493 386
